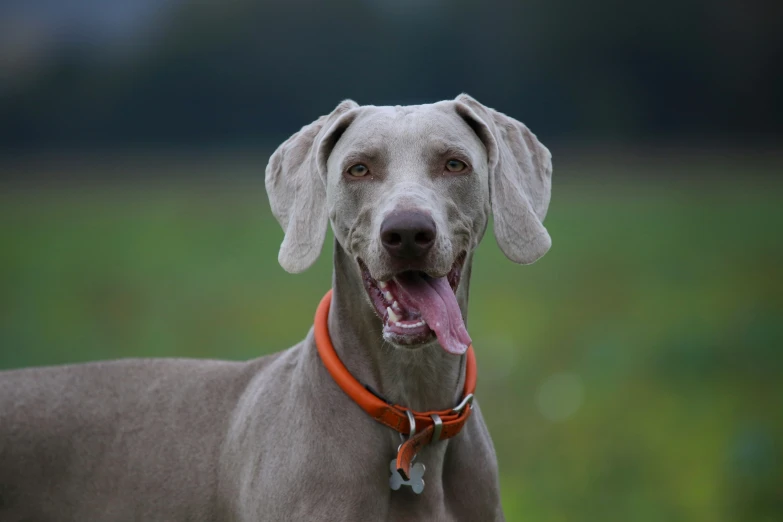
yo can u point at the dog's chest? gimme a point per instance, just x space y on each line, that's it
344 487
279 464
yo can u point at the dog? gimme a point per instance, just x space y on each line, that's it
371 416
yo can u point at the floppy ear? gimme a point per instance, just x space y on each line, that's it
520 180
296 186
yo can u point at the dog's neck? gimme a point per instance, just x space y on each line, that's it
422 378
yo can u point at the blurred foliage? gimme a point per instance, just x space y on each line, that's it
634 373
241 71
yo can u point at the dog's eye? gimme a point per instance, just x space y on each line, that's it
455 165
358 170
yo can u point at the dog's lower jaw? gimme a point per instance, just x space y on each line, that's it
408 341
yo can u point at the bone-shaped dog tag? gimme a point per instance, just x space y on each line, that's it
416 481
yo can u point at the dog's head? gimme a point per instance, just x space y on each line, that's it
409 191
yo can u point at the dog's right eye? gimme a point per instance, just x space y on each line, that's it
358 170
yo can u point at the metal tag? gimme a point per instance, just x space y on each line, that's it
416 481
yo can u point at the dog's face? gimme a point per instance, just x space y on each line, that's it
409 192
408 164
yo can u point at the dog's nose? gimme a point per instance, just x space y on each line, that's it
408 234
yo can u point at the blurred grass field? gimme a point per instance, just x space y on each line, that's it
635 373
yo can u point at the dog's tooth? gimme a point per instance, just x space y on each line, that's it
392 316
396 305
382 284
414 325
388 296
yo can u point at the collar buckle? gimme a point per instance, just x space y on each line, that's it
468 400
437 424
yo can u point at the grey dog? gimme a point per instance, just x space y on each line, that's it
408 191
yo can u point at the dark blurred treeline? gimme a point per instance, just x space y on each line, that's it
245 72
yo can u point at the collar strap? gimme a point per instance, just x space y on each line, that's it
421 428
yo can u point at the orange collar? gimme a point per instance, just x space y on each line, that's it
421 428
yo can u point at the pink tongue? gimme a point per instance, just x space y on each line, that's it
438 306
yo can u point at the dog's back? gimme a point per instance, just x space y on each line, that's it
106 441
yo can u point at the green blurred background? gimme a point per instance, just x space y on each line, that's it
635 373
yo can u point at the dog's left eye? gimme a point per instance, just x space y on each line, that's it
455 165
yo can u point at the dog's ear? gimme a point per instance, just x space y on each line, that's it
520 180
296 186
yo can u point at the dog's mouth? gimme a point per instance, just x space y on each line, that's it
416 307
